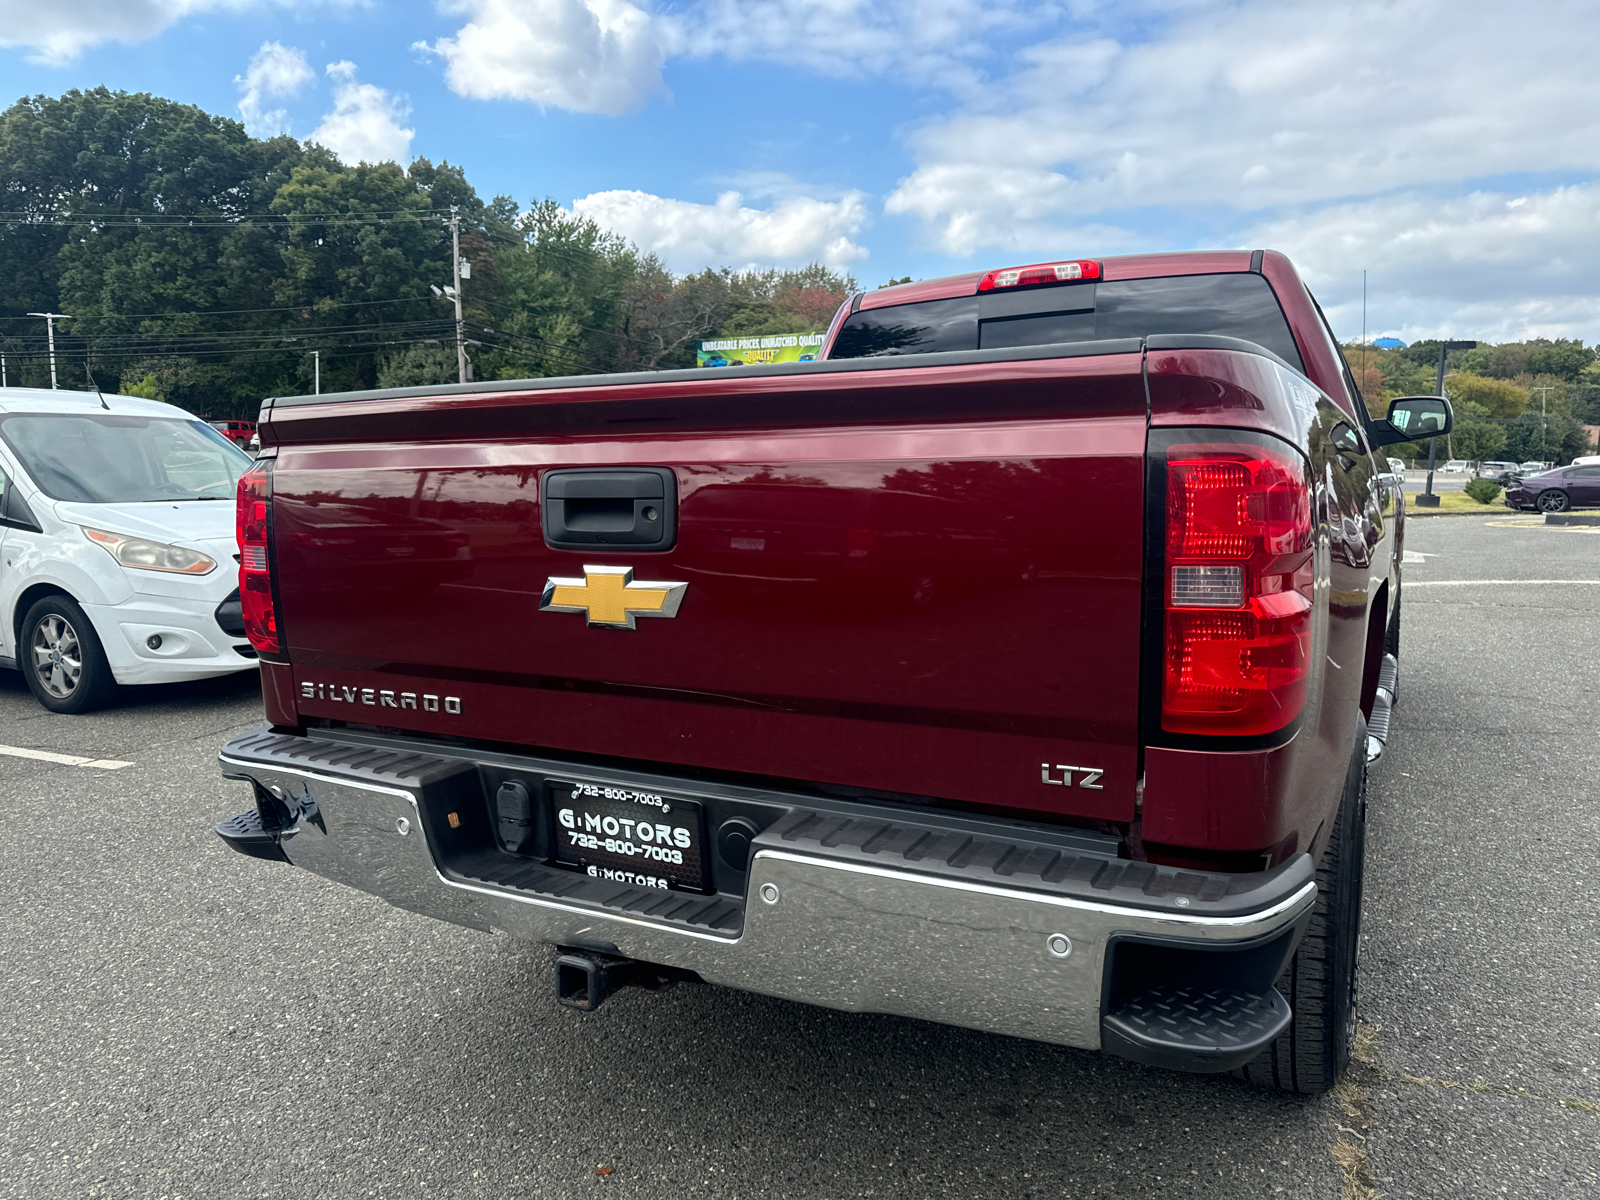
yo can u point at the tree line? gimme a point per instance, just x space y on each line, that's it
1517 401
205 267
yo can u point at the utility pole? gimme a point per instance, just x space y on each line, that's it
455 272
1428 499
1544 422
50 320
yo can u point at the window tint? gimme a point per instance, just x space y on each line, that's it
925 328
1239 306
1583 473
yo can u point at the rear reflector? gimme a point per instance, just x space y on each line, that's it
255 566
1238 589
1061 272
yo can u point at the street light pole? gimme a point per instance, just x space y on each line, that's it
1428 499
50 320
316 356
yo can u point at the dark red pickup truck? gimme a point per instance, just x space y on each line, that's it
1016 665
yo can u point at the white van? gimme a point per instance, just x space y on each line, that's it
1457 466
117 555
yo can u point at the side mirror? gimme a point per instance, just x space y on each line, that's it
1412 418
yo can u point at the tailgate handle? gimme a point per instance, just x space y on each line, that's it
583 509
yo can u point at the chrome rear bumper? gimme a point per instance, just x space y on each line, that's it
821 926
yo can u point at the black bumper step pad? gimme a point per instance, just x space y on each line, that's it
245 834
1195 1029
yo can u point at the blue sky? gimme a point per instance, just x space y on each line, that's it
1451 148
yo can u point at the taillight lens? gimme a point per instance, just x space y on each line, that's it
255 565
1238 589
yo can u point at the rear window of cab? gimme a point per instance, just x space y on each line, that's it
1239 306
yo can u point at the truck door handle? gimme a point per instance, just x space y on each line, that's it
634 508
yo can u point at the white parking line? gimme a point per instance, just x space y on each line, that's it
1490 582
66 760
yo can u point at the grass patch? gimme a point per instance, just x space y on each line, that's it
1451 502
1358 1181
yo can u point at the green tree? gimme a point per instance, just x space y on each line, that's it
147 388
1477 441
1495 397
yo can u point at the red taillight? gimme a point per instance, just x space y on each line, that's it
255 566
1058 272
1238 589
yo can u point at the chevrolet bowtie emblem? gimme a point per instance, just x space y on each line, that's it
608 596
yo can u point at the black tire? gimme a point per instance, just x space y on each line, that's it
1554 500
56 639
1320 980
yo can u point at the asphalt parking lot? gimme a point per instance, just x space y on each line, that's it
178 1021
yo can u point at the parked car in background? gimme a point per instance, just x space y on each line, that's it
1533 468
237 432
1557 491
254 447
119 555
1500 472
1457 466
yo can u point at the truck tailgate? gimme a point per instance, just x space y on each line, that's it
919 581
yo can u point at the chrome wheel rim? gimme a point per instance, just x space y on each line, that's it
57 655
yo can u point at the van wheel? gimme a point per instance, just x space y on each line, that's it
61 658
1320 980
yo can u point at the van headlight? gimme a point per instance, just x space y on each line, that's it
144 555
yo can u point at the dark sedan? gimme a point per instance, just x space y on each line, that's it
1558 490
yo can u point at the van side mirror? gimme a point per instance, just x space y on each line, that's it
1412 418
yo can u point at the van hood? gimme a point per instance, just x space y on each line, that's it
199 523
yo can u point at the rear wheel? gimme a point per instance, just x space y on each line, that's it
1320 980
1553 500
61 658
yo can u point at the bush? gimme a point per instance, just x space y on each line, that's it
1482 490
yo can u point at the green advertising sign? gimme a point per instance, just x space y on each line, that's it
773 348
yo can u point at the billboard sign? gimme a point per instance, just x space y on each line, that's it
772 348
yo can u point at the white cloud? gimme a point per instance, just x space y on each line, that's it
690 236
57 33
276 71
928 41
594 56
606 56
1497 266
1258 104
364 125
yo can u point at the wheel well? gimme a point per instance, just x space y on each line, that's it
1377 626
29 597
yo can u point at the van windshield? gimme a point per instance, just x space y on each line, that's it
109 458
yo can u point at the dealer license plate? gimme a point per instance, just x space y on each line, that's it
639 838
